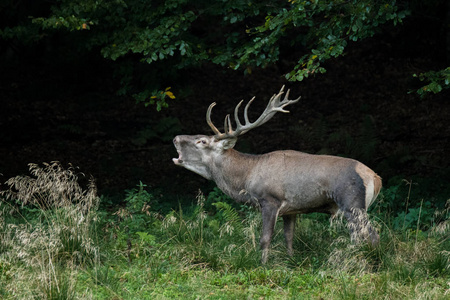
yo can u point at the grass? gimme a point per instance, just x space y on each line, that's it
56 244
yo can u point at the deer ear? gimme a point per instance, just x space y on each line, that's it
226 144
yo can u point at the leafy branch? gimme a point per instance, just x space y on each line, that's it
437 81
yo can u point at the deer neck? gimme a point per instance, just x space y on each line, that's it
231 170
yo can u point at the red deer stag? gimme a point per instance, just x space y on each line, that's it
281 183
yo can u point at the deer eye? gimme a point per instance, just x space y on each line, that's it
201 141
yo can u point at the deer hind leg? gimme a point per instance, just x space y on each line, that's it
360 227
289 226
351 200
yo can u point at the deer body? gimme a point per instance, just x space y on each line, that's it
282 183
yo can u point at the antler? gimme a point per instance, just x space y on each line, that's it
272 108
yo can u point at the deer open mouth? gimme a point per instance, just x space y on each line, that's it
179 160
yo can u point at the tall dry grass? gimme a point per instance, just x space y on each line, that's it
54 235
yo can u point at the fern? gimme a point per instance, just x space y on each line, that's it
232 219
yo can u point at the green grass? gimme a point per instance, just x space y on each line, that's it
71 250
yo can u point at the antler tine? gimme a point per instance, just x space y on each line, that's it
236 114
286 97
274 101
227 128
276 97
208 119
286 100
279 106
247 121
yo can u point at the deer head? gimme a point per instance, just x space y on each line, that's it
196 152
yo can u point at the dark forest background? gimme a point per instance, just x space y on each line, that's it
84 85
99 89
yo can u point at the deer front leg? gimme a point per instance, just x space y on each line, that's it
269 218
289 225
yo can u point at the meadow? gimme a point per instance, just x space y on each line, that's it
60 240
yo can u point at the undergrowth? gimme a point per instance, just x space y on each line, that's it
47 224
56 244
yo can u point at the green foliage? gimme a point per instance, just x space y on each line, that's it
231 216
214 196
422 215
437 81
155 97
135 218
174 35
332 24
404 212
137 199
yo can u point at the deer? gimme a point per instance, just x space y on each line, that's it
281 183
